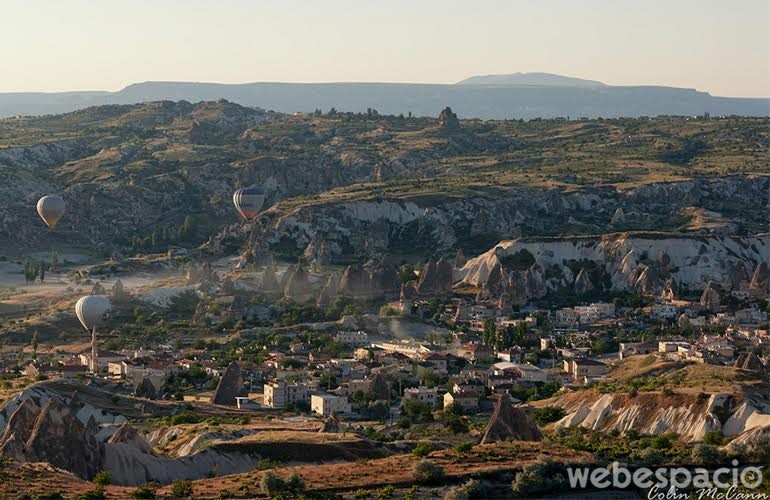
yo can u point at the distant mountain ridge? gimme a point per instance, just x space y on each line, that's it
518 95
536 79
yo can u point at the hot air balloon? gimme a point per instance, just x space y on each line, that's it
249 201
51 209
93 310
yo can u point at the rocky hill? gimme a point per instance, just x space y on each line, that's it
349 186
531 267
428 223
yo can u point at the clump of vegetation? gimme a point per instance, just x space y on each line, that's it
539 479
182 488
548 414
469 489
274 485
422 449
94 494
706 454
464 447
102 478
145 491
427 470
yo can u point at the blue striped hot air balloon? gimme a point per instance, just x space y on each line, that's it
248 201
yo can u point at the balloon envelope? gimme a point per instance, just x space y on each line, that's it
92 310
249 201
50 209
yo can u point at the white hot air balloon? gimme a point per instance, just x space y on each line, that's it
51 209
248 201
92 311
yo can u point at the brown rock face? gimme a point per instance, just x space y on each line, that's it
385 281
128 435
297 286
583 283
753 363
710 299
60 439
330 291
460 260
435 279
670 290
330 424
447 119
230 386
355 281
269 283
380 387
21 421
760 281
509 422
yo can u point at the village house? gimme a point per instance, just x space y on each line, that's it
663 311
328 404
104 358
426 395
475 352
73 371
279 394
566 316
514 354
520 371
437 362
476 386
627 349
354 338
585 369
467 400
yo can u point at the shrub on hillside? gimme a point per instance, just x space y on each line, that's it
427 470
539 479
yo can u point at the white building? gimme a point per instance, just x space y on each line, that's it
328 404
422 394
356 339
663 311
279 394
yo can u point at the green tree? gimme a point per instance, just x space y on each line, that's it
54 261
41 271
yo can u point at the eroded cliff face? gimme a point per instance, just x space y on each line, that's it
641 262
431 224
651 413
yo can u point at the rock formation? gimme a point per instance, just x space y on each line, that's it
355 281
119 292
619 217
460 259
227 287
710 299
330 424
297 286
144 388
760 281
230 386
380 387
583 283
98 289
448 119
60 439
129 435
670 290
435 279
329 291
268 282
509 422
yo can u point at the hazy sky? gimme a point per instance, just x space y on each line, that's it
722 47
